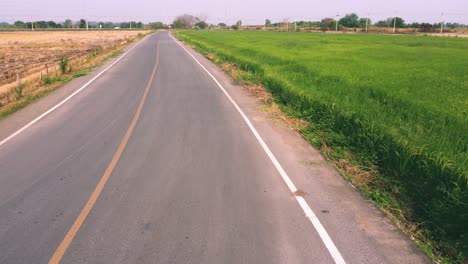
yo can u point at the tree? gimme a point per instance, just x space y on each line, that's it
327 23
381 23
237 25
184 21
362 22
385 23
399 22
82 23
41 24
4 24
414 25
453 25
51 24
106 24
267 22
157 25
425 27
68 23
222 25
350 20
201 25
19 24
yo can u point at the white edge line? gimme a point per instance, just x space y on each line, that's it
37 119
335 254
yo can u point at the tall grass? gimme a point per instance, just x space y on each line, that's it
402 101
64 63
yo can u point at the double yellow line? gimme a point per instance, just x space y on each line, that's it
62 248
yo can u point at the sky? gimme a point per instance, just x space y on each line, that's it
249 11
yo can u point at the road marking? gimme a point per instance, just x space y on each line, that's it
37 119
62 248
335 254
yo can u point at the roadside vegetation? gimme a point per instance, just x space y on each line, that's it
395 108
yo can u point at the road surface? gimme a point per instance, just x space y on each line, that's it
151 161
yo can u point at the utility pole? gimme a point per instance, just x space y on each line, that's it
295 25
394 25
367 22
130 24
442 24
336 24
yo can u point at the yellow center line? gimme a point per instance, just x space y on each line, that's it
62 248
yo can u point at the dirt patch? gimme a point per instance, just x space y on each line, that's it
300 193
210 56
261 93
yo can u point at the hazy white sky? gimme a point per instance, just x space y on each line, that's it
249 11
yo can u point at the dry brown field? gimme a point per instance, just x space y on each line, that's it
30 53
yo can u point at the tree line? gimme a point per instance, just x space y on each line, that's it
187 21
352 20
72 24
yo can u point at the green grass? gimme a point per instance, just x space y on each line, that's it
81 73
400 102
53 79
116 53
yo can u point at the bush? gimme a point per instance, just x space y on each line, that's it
201 25
48 80
64 61
18 91
327 24
425 27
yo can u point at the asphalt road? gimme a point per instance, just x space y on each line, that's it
191 183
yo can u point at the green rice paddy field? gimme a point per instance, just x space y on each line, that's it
399 101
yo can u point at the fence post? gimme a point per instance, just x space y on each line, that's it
47 69
18 79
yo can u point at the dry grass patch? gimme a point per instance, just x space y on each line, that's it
27 53
45 60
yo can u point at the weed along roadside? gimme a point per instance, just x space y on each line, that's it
377 111
41 80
